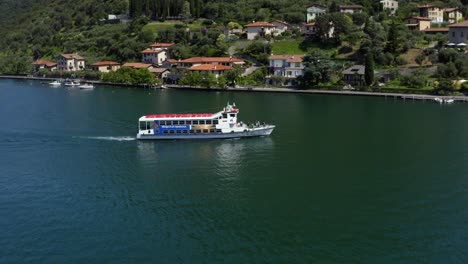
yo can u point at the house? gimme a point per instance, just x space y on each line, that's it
391 5
458 33
354 75
314 11
43 64
160 73
350 9
281 26
156 53
432 12
453 15
105 66
215 69
138 65
418 23
434 31
288 66
310 29
225 61
70 62
260 29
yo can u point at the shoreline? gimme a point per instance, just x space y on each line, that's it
402 96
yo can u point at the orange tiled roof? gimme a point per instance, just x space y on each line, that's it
72 56
260 24
420 18
310 24
436 30
288 58
280 22
461 24
158 70
211 60
137 65
451 9
425 6
105 63
152 51
44 62
161 45
209 67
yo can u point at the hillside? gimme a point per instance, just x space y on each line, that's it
42 29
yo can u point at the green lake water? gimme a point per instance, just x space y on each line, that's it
340 180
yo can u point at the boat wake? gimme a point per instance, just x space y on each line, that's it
112 138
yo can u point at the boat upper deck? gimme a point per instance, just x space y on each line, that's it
188 116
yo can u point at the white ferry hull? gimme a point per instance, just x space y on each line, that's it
253 132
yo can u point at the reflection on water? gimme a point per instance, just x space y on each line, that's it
226 155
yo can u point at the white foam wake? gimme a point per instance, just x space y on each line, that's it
112 138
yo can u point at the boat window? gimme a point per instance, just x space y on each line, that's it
171 131
215 122
178 132
198 131
195 122
208 122
184 131
166 131
142 125
192 131
148 125
189 122
232 115
218 130
202 122
205 130
224 115
182 122
175 122
212 130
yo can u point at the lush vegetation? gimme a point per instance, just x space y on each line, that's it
42 29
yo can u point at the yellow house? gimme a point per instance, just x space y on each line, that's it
105 66
418 23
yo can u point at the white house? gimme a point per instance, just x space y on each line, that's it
281 26
314 11
70 62
458 33
392 5
289 66
432 12
260 29
453 15
156 54
350 9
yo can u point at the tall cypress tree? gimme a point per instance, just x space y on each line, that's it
392 40
369 70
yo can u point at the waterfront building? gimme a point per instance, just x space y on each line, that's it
434 31
391 5
138 65
156 54
70 62
160 73
354 75
350 9
434 13
226 61
310 29
418 23
314 11
259 29
215 69
105 66
458 33
287 66
43 64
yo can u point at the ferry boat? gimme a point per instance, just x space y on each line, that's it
223 124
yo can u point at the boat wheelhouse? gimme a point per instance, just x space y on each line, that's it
223 124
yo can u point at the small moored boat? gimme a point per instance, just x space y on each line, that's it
55 83
223 124
86 86
72 83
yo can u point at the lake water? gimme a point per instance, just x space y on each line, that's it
340 180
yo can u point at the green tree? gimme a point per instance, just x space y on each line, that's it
369 69
392 39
